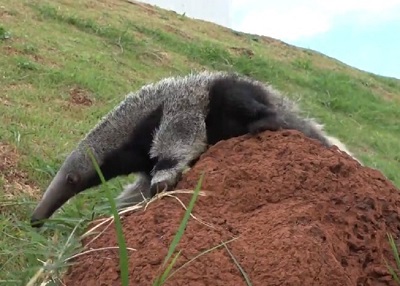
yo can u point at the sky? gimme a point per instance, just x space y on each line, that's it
361 33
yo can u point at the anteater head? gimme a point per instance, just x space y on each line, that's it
75 175
78 173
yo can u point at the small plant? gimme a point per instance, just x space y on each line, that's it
30 49
397 259
4 34
25 64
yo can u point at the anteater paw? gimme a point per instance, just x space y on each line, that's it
163 185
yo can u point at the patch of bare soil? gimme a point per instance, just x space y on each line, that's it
15 181
79 96
383 93
177 31
13 51
5 15
239 51
10 51
147 8
302 214
4 101
159 58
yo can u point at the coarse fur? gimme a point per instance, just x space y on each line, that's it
164 127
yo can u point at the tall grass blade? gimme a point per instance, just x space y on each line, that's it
184 221
123 252
160 281
396 257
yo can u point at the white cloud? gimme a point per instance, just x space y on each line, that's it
291 20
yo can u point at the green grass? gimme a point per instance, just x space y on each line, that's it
122 248
48 48
160 280
394 271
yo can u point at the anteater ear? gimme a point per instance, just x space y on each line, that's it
72 178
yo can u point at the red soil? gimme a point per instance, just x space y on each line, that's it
303 215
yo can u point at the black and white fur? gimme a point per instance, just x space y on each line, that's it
164 127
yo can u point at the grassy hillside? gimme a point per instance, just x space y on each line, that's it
64 64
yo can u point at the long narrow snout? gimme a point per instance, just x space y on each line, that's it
54 197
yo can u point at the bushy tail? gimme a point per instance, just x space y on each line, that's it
289 117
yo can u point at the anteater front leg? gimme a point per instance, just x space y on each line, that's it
181 139
136 192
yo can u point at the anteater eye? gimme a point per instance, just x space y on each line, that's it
72 178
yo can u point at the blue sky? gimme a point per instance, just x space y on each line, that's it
364 34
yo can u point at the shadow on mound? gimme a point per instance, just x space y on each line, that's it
303 215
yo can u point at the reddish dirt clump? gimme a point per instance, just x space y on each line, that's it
302 214
80 96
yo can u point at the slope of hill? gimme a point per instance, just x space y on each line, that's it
65 63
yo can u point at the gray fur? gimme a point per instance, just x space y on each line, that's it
134 193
